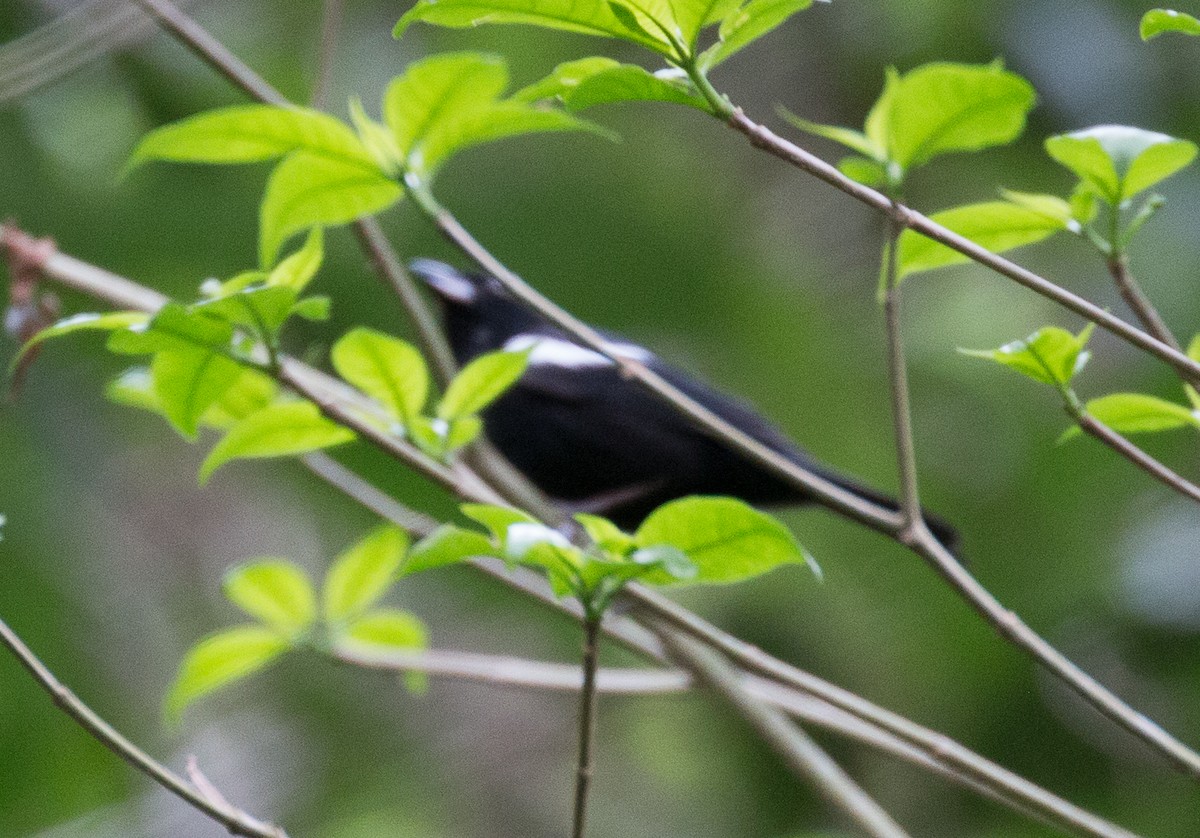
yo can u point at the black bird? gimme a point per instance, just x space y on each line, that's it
595 441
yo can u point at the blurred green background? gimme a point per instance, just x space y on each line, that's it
726 262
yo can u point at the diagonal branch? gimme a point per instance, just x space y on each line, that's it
212 806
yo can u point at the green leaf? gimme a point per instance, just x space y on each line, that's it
605 534
79 323
251 391
261 309
726 539
1135 413
1050 355
742 26
481 382
995 225
279 430
299 268
362 574
564 78
851 139
276 593
387 369
868 172
669 558
942 107
630 83
307 190
1193 352
378 139
497 121
438 90
496 518
589 17
1052 207
313 308
446 545
250 133
1118 161
188 381
463 431
219 660
389 629
1157 21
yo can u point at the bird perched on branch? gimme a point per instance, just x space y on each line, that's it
595 441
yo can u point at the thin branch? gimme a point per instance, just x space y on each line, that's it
331 23
906 457
1094 427
214 807
587 723
1138 302
804 756
118 291
762 137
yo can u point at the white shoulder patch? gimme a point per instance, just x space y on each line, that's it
556 352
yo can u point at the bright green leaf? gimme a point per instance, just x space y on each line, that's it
313 308
1118 161
995 225
251 391
590 17
726 539
669 558
630 83
389 629
1050 355
942 107
446 545
481 382
463 431
83 322
496 518
275 592
299 268
564 78
250 133
742 26
362 574
188 381
867 172
387 369
260 309
1133 413
221 659
1054 208
378 139
851 139
307 190
173 327
279 430
1157 21
605 534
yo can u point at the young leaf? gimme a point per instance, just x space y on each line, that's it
496 518
589 17
995 225
279 430
867 172
385 368
298 269
250 133
481 382
670 559
221 659
173 327
251 391
188 381
1118 161
942 107
362 574
1135 413
262 309
308 190
851 139
1052 207
564 78
388 628
313 308
438 90
742 26
726 539
605 534
1157 21
630 83
377 138
1050 355
276 593
83 322
446 545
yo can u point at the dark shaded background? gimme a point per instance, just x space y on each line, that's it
726 262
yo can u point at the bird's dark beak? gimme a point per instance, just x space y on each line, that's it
449 283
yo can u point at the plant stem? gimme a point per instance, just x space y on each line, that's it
906 458
1095 428
1138 302
232 819
331 22
587 720
799 751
